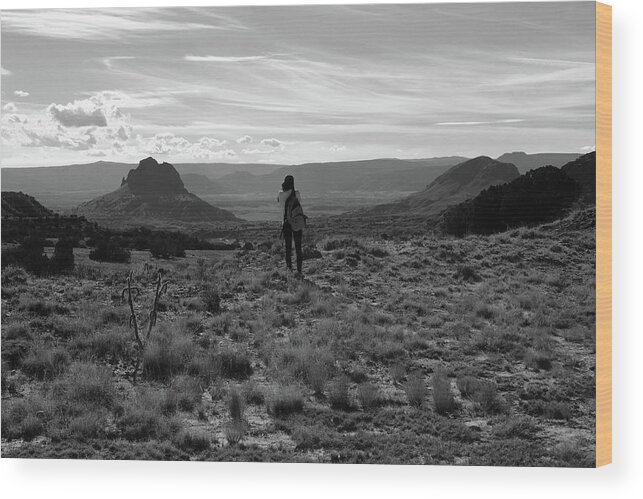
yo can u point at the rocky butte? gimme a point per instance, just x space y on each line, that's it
152 194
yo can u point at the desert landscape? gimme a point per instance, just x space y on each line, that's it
401 344
440 161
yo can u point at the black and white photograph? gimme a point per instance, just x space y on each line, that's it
357 234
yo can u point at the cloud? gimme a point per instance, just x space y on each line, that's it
21 93
336 148
204 148
246 139
221 58
86 124
78 113
10 107
102 24
474 123
4 71
588 148
272 143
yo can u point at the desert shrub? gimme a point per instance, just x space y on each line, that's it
516 427
538 359
333 244
63 258
338 394
109 251
87 426
19 418
13 275
550 409
184 394
397 372
167 353
467 273
211 299
66 327
142 419
204 365
37 306
234 432
443 400
166 248
415 390
114 343
86 383
234 363
486 397
285 400
192 440
317 374
16 343
45 363
236 404
252 393
467 385
31 427
368 395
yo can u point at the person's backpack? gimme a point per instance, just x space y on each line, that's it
295 213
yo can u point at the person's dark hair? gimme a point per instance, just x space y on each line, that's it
288 184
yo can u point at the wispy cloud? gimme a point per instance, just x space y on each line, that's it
21 93
218 58
97 24
475 123
4 71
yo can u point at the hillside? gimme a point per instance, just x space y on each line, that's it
18 204
459 183
538 196
583 171
151 194
525 162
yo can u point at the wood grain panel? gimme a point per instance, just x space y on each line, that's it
603 234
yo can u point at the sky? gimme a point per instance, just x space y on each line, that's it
296 84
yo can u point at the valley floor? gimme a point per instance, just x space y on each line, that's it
472 351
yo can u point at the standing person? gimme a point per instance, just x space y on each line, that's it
286 198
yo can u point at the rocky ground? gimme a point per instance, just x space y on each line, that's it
419 350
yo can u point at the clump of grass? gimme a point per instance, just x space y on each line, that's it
12 275
317 375
443 400
516 427
538 359
285 400
86 384
368 395
192 440
416 390
167 353
37 307
487 399
397 372
211 300
236 404
467 385
467 273
234 363
141 418
338 394
19 418
252 393
87 426
45 363
234 432
183 394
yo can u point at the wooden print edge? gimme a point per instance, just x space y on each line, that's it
603 234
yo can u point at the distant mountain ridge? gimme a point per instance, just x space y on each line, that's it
459 183
539 196
152 193
525 162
